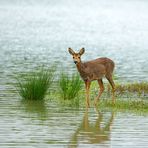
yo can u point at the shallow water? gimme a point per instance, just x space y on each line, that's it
34 33
44 124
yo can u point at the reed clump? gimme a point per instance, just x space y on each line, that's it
35 85
69 86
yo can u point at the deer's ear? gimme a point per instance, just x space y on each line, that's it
71 51
82 50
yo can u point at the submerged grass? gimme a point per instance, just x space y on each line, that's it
69 86
136 105
129 97
34 85
140 88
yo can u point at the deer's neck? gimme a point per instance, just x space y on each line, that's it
82 70
80 67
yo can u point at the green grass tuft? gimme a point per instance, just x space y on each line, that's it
69 86
34 85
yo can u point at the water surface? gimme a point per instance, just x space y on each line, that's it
44 124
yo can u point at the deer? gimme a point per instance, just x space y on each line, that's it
92 70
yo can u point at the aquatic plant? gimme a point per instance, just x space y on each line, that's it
138 88
69 86
34 85
137 105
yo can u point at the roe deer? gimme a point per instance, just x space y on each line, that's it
94 70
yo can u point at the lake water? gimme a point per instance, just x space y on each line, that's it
35 33
40 124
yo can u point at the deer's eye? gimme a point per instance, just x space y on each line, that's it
73 57
79 57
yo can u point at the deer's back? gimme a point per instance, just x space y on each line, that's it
98 68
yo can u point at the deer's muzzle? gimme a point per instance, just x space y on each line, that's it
75 62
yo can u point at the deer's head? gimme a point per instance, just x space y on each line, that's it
76 56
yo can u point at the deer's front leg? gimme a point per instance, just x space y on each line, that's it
87 88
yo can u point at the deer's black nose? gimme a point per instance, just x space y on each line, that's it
75 62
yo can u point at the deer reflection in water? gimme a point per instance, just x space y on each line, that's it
92 132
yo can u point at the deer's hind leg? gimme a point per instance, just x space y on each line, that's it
100 82
110 79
